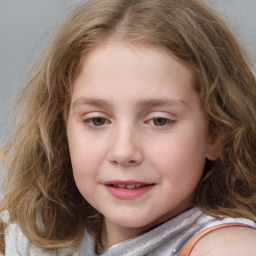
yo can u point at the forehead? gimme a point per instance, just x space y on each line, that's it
130 57
144 51
138 70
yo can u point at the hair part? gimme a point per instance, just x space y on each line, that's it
40 182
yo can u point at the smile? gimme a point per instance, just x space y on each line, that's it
127 190
130 186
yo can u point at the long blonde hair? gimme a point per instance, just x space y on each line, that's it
40 181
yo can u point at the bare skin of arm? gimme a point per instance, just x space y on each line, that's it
235 241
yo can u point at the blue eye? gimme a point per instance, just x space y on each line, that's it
97 121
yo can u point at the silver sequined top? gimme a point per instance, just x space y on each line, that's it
165 240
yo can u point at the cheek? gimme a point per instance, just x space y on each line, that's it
179 156
83 160
84 169
87 154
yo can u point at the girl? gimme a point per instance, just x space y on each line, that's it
135 136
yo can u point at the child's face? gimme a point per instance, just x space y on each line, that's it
135 119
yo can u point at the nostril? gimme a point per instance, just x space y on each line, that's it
125 163
124 154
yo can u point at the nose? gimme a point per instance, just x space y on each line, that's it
125 149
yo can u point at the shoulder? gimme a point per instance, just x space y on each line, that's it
235 241
15 241
17 244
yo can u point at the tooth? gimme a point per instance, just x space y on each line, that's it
138 185
121 186
130 186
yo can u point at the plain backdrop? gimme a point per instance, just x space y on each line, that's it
27 25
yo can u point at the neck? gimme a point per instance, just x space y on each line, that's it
116 234
112 234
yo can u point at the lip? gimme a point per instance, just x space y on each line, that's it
135 190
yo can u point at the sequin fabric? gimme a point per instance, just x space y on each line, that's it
165 240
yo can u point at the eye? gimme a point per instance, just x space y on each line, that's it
97 121
160 121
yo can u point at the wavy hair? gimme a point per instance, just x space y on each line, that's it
40 183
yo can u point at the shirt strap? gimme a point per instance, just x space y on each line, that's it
192 242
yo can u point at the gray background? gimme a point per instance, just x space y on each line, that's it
26 25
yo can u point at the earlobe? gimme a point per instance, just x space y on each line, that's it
214 147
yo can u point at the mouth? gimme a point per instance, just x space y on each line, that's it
128 186
128 190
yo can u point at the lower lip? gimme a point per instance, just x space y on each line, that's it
128 194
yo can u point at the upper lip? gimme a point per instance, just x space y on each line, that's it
127 183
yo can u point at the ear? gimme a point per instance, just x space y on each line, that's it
214 146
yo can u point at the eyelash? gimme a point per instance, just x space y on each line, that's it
91 121
103 121
166 121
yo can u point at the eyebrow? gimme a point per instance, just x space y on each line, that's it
92 102
160 102
96 102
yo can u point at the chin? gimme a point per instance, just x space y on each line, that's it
132 222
